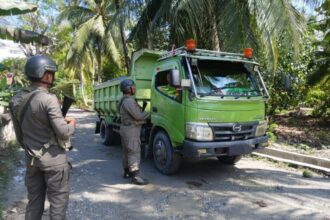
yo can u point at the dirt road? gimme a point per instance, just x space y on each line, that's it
252 189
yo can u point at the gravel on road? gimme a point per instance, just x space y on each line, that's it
202 189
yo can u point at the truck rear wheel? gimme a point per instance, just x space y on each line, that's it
106 133
165 159
230 160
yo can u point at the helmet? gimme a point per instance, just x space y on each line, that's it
36 66
126 85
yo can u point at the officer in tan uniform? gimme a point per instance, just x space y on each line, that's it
132 118
41 130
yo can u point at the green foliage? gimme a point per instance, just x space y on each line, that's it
15 67
111 71
272 127
271 137
321 61
307 174
297 68
8 157
318 98
303 147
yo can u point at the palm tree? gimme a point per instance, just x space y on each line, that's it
322 62
94 25
121 22
223 24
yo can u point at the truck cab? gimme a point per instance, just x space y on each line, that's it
202 104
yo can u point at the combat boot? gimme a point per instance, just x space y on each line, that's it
137 179
127 174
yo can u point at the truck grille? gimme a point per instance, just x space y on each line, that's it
233 131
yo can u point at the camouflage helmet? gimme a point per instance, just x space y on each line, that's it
126 85
37 65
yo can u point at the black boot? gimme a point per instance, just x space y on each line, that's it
127 174
137 179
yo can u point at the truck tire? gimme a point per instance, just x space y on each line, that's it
230 160
165 159
106 133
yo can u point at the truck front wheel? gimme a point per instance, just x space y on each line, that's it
106 133
231 160
166 160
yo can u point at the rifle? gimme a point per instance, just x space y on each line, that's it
67 102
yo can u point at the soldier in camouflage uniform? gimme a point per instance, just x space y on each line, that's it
132 118
40 127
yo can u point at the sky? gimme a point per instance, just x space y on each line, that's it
10 49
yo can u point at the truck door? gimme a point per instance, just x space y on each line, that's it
167 109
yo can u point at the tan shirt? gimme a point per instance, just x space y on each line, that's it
131 113
43 116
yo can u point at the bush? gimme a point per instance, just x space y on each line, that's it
319 99
272 137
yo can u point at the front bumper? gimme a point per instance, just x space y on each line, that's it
227 148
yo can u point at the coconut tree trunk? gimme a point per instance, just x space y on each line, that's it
122 36
214 28
149 39
99 61
81 85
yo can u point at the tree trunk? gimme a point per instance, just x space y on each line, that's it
149 38
93 72
122 35
99 62
81 85
214 28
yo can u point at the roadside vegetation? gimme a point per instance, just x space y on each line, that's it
9 158
91 41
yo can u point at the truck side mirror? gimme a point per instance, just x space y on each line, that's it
175 78
287 82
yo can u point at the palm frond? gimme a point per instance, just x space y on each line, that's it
76 15
276 18
111 49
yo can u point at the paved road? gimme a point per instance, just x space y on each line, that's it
252 189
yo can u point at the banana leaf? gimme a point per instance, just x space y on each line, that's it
16 8
4 103
24 36
3 67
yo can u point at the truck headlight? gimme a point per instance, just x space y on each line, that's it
261 129
199 131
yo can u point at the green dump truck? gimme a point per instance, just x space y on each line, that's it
202 104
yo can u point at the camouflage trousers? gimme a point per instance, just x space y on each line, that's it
53 182
130 140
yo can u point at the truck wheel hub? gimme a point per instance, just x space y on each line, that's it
160 152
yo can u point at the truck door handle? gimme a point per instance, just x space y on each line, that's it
154 109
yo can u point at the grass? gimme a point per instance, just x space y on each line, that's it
8 158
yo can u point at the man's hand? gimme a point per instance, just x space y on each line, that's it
71 121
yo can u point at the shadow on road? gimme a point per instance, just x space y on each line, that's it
201 189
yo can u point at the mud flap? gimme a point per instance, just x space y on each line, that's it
97 127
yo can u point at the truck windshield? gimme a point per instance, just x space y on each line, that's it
223 78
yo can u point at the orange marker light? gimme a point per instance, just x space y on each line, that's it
191 44
248 52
